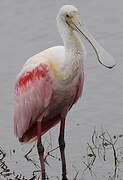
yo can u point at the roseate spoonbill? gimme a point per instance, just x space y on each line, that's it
51 82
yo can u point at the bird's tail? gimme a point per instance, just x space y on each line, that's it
31 134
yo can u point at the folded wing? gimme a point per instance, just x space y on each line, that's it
33 91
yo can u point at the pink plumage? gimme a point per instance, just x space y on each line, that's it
37 100
33 91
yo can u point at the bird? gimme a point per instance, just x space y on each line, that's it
51 82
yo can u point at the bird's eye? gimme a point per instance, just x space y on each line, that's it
67 15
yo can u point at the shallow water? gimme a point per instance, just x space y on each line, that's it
28 27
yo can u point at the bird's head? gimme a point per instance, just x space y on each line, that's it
69 19
68 16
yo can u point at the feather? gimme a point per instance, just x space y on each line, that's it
33 91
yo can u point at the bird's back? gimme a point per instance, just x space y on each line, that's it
51 57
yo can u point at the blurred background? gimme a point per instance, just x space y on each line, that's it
28 27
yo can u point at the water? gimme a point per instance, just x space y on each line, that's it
28 27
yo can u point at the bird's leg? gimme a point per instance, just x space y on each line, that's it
62 148
41 152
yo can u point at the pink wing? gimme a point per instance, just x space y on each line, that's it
33 91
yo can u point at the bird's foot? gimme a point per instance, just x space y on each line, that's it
64 178
43 176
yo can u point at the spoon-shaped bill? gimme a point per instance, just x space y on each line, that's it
103 56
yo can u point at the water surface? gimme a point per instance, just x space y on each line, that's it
28 27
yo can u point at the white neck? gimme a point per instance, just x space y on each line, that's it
74 54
